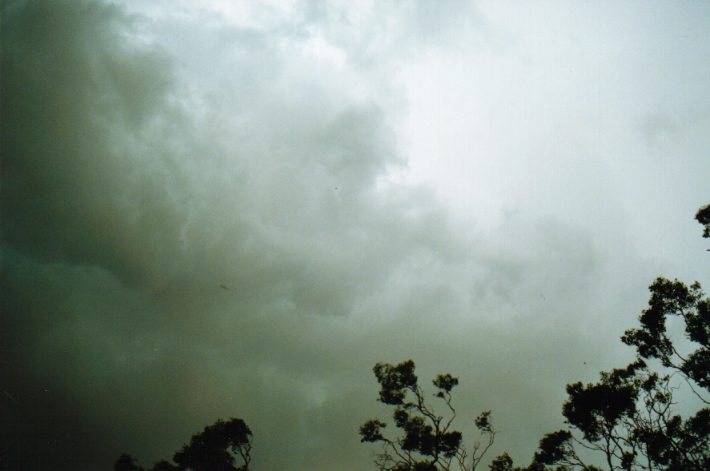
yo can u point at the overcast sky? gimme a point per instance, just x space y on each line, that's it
216 209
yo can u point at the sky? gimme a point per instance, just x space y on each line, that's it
216 209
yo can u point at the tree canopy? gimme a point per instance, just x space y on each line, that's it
629 416
222 446
427 440
703 217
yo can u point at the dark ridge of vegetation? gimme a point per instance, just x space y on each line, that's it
222 446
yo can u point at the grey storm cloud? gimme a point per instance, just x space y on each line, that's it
204 227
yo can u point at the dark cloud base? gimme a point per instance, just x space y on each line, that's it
174 255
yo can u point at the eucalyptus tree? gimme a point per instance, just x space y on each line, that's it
426 440
630 417
222 446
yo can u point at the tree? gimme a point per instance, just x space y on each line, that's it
126 462
652 341
222 446
217 448
502 463
428 441
703 217
628 416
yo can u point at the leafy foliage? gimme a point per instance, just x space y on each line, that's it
703 217
675 299
427 440
502 463
222 446
628 416
217 448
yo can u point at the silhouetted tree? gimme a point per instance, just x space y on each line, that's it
502 463
428 441
222 446
126 462
628 415
703 217
652 341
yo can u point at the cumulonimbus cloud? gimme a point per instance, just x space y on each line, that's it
208 228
